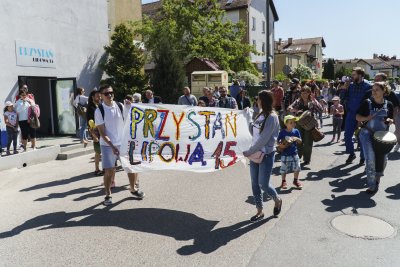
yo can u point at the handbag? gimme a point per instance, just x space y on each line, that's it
257 157
81 109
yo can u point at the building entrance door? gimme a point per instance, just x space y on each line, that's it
54 97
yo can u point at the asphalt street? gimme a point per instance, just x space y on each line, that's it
52 215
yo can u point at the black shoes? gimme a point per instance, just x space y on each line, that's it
351 158
277 210
257 217
362 162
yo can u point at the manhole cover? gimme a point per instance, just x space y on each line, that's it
363 226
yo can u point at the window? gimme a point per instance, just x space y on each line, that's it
109 27
263 27
263 47
254 23
255 44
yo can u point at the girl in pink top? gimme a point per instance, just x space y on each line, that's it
337 112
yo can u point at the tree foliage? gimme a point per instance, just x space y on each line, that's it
303 72
168 77
343 71
280 77
124 63
198 29
247 77
329 70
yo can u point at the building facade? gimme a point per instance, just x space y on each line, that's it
120 11
371 66
53 47
292 52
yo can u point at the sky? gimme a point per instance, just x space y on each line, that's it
351 28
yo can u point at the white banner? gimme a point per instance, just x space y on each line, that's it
170 137
35 54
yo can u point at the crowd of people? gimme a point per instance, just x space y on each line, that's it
287 122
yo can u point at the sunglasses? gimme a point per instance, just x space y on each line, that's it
108 93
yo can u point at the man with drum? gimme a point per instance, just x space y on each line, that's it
376 114
355 94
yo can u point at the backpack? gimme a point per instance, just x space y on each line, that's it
101 108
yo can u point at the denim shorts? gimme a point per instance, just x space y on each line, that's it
108 158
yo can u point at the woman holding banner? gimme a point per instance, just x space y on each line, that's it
265 130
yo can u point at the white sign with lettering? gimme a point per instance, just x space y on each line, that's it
32 54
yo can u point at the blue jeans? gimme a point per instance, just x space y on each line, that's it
12 138
350 127
260 179
369 153
82 129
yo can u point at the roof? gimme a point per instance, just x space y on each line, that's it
210 63
209 72
377 63
394 63
151 9
299 45
346 61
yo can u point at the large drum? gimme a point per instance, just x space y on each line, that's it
284 144
317 135
307 121
382 142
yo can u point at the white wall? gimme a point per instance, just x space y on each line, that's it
76 29
232 15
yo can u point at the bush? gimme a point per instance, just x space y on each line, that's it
247 77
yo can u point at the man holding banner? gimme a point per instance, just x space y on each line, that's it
109 119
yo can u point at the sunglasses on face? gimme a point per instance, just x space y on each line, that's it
108 93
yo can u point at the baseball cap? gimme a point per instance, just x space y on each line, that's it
290 117
9 104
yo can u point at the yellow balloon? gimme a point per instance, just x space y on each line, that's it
92 124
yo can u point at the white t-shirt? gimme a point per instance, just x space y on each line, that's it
257 130
113 122
22 108
12 117
80 99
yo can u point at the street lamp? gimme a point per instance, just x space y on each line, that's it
268 61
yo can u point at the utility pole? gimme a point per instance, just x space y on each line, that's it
268 61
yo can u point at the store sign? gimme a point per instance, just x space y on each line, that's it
32 54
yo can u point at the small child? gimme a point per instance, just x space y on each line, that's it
289 157
337 112
11 122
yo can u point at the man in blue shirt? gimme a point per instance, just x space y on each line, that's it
355 94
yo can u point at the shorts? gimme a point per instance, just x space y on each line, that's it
290 164
26 130
108 158
96 147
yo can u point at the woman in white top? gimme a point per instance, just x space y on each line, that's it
80 103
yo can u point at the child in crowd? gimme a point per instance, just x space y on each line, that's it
288 139
11 122
337 112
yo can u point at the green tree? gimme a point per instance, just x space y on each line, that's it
168 78
124 63
303 72
198 29
280 77
343 71
329 70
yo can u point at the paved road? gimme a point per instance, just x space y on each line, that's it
52 215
